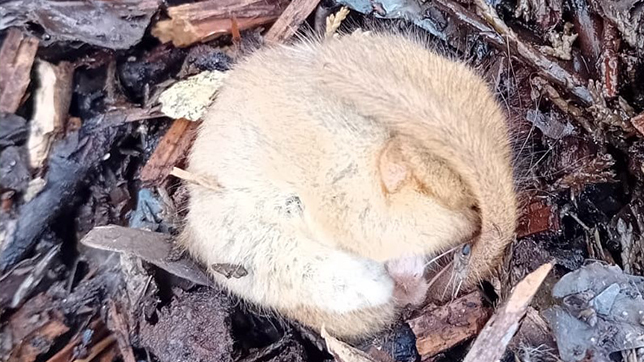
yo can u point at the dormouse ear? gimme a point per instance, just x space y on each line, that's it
394 171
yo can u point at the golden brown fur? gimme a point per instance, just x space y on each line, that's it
343 156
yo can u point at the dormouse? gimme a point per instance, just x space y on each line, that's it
345 165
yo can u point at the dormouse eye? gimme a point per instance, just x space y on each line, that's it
466 250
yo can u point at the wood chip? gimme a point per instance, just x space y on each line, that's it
155 248
16 58
171 149
439 329
290 20
51 104
497 333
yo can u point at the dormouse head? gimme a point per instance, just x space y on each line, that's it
425 202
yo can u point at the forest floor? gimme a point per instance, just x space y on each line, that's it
99 102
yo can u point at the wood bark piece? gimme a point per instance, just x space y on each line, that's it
609 61
538 217
16 58
155 248
439 329
206 20
51 104
290 20
497 333
173 146
638 123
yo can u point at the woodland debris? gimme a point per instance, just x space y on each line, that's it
286 349
13 130
51 104
609 61
533 338
171 149
190 98
71 160
638 123
16 58
141 74
600 312
33 329
17 284
626 16
491 343
343 352
113 24
550 124
32 276
588 27
98 348
94 331
155 248
14 169
626 228
290 20
440 328
117 323
203 21
561 43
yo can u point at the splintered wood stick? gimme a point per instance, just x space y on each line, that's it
173 146
495 336
286 25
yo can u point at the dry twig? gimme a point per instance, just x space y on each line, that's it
495 336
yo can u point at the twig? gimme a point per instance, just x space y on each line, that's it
495 336
288 23
119 328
